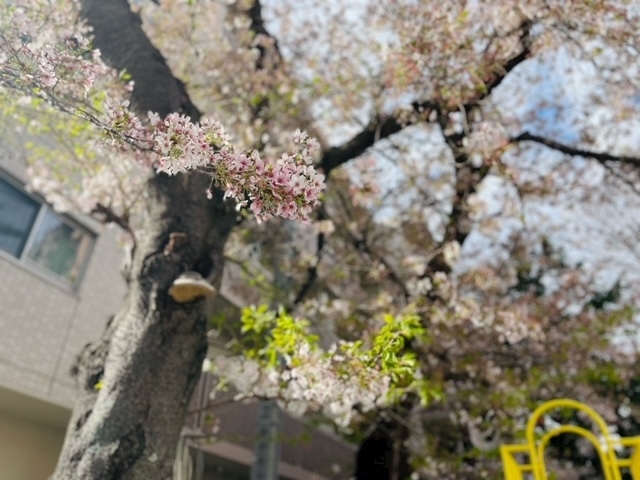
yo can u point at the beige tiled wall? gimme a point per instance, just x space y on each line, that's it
20 438
44 325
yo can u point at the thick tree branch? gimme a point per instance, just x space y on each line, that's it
106 215
501 72
258 28
312 272
601 157
377 129
468 177
380 128
155 88
273 69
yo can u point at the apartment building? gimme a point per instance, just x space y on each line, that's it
59 283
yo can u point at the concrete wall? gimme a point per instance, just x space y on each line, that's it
28 451
31 435
44 325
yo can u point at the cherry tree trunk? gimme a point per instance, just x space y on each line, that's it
135 383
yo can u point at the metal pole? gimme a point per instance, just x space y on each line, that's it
267 449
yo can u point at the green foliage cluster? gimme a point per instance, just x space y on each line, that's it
274 338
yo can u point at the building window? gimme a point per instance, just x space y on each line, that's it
33 233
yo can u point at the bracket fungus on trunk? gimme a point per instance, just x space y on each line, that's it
190 286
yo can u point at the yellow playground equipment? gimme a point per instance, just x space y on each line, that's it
533 451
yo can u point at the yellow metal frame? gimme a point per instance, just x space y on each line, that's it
534 448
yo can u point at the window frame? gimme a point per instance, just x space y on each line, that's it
33 266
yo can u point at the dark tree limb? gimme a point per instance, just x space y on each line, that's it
377 129
124 45
391 448
312 272
497 76
601 157
106 215
380 128
258 28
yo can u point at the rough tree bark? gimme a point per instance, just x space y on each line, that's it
149 358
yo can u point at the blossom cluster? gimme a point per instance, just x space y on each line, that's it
65 97
288 187
467 44
45 55
44 52
330 383
96 178
281 359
